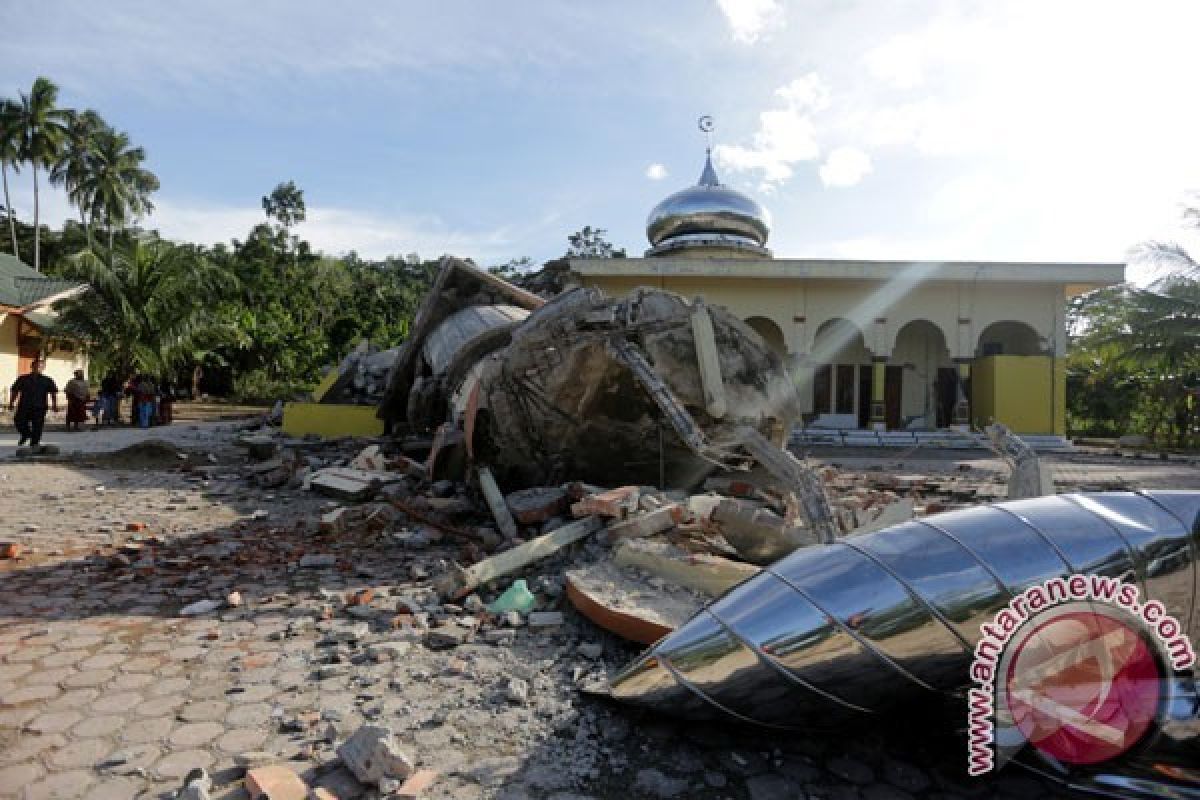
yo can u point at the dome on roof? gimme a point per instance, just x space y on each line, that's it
708 215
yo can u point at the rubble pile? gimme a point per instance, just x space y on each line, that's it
361 376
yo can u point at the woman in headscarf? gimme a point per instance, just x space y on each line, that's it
77 392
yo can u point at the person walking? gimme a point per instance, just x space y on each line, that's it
29 394
77 392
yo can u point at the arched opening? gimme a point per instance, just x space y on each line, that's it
842 376
928 381
1009 338
770 332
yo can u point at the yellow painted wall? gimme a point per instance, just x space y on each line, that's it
1017 391
331 420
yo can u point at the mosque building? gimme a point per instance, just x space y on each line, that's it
872 345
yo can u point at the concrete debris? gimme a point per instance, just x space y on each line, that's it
759 535
361 376
538 504
197 785
584 386
518 557
199 607
373 755
1028 479
496 502
700 572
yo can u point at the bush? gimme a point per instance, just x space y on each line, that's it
258 388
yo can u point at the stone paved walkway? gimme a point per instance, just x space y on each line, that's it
107 691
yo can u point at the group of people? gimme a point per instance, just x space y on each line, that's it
34 394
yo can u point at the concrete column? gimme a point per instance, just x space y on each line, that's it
878 407
962 407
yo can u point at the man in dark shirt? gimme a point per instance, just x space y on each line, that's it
33 390
110 396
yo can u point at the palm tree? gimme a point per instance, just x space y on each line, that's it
41 133
146 302
116 187
1149 338
1169 255
10 156
75 162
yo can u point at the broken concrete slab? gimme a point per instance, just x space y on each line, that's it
700 572
512 560
619 601
373 754
646 524
347 483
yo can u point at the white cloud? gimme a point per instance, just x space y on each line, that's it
808 92
785 136
845 166
750 20
656 172
900 61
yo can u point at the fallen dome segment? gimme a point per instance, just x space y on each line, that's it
650 388
846 630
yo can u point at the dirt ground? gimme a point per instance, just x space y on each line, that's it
108 691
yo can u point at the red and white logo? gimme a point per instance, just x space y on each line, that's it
1083 686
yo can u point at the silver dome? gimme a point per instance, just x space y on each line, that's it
708 212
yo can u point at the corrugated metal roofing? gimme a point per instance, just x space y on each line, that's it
21 285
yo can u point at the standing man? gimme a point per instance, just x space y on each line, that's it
110 394
33 390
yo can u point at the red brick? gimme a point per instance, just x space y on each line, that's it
275 783
418 782
362 597
614 503
9 549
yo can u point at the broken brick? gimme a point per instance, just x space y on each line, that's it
362 597
275 783
614 504
529 506
418 782
9 549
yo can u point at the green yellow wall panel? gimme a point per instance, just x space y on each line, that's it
330 420
1026 393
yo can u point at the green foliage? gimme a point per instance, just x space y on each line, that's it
592 243
285 204
258 388
147 303
1134 363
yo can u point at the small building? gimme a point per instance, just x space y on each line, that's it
28 325
883 345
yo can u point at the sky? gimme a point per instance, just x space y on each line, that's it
911 129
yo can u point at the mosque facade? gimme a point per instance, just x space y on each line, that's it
882 345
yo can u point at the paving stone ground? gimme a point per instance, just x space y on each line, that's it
107 691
